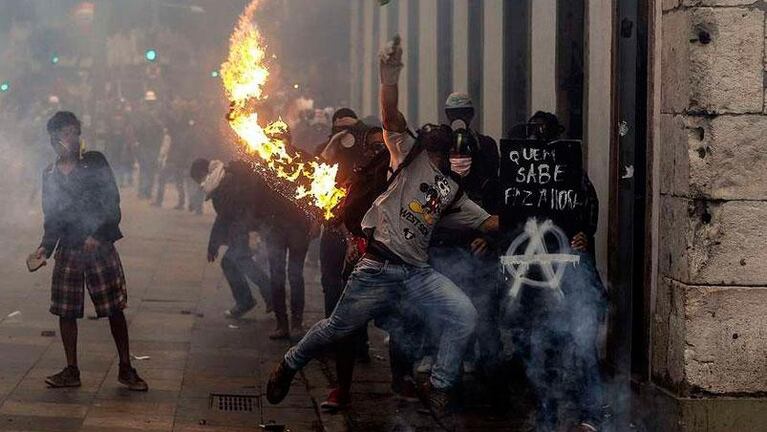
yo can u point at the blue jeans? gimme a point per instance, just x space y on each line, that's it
373 290
239 267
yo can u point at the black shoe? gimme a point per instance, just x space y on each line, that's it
438 403
69 377
279 383
129 378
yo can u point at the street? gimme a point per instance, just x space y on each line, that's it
181 344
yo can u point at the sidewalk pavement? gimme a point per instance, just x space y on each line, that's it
183 346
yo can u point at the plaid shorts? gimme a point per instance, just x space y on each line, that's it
101 271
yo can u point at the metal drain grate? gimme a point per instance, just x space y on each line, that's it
233 402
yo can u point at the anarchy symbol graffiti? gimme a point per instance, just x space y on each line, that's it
529 249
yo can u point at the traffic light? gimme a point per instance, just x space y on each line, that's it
54 59
5 86
150 55
214 74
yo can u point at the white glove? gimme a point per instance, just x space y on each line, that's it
391 61
460 165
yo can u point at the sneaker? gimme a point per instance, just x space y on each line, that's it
405 389
280 332
336 401
584 427
438 403
238 311
425 366
129 378
279 383
69 377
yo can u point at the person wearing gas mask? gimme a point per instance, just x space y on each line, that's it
557 338
421 194
353 146
467 256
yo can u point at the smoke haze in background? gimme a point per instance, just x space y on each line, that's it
88 57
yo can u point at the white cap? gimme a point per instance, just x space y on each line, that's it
458 100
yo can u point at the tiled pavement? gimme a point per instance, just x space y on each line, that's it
175 309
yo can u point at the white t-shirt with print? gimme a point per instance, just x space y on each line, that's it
404 217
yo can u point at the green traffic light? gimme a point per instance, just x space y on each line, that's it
5 86
54 59
214 74
151 55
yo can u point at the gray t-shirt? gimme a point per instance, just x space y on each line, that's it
404 217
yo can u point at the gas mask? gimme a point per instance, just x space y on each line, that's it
436 138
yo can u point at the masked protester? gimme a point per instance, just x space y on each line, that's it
289 236
467 256
236 194
557 338
81 207
395 269
353 145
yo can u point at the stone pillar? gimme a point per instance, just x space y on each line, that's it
709 335
493 77
543 54
461 45
428 92
369 67
355 51
598 105
402 30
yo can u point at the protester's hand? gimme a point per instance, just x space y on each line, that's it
40 253
90 245
580 242
212 255
479 247
391 61
460 164
352 253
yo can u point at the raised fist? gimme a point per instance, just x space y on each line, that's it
391 61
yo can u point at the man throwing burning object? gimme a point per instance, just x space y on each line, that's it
420 196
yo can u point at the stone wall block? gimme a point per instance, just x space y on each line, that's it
728 157
725 342
674 158
675 61
713 242
691 3
668 336
726 49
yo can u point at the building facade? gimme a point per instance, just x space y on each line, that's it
669 99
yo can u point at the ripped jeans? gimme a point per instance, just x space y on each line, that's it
374 290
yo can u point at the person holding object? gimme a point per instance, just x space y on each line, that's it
467 257
81 208
421 195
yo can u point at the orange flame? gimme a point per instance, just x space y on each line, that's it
244 75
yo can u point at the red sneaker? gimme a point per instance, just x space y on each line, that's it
336 401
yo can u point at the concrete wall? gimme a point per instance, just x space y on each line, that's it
709 335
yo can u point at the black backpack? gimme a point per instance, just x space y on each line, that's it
367 184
